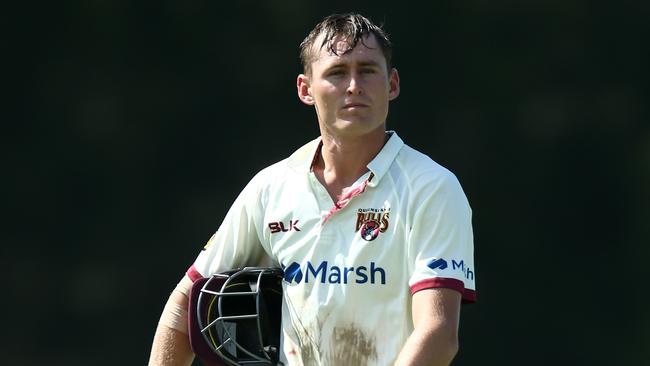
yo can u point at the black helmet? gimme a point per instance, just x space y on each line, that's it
236 316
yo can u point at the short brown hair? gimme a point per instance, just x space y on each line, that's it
353 28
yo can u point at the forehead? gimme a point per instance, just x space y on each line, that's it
366 50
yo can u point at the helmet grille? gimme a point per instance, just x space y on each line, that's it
242 315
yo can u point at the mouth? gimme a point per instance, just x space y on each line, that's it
354 105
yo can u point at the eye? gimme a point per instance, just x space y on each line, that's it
335 72
367 71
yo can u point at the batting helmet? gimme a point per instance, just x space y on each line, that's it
235 317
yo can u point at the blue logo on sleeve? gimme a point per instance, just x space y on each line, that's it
441 264
437 263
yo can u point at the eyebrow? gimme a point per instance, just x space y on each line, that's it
338 65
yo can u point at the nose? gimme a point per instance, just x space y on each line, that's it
354 87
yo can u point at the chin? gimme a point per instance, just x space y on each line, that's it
355 121
357 127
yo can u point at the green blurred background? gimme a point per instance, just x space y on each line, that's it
130 128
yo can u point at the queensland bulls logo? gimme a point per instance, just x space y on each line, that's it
371 222
370 230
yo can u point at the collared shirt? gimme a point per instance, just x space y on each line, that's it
350 266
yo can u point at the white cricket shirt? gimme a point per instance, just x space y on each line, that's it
351 266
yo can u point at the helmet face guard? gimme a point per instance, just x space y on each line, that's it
236 316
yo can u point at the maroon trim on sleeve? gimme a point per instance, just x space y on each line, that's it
193 274
469 296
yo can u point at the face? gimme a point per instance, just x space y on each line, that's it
350 91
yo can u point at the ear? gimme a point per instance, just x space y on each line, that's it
393 82
304 89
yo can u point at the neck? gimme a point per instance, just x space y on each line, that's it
343 160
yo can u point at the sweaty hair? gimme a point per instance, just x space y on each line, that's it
351 27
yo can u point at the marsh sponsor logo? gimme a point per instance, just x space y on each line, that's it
441 264
325 273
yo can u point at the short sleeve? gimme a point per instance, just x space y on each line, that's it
441 243
237 241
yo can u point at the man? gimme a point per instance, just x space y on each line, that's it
379 233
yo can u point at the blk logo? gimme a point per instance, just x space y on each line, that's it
279 226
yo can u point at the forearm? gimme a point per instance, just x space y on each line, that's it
171 343
170 348
434 340
426 347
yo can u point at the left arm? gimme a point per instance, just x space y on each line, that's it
434 341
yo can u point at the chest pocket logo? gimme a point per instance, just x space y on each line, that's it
371 222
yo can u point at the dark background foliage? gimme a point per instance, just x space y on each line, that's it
129 129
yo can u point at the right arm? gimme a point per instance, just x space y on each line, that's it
171 343
237 243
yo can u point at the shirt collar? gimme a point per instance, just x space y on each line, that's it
303 159
382 162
